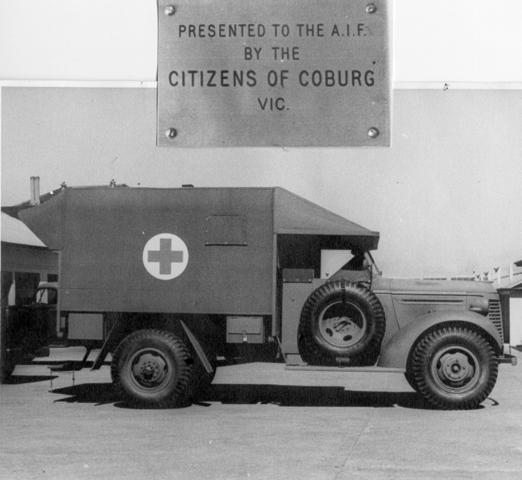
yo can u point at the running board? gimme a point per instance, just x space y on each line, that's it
319 368
506 358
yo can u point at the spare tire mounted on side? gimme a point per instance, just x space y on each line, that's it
341 321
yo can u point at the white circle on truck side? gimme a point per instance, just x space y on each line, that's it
165 256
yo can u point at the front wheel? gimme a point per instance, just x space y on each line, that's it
453 368
153 368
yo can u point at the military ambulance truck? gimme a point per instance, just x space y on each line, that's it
177 277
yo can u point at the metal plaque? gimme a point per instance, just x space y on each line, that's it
273 73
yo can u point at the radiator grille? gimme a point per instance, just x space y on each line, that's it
495 317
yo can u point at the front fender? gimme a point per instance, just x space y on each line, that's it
395 352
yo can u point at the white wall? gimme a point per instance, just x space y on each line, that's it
446 196
434 40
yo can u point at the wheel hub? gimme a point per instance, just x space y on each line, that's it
342 324
456 366
149 368
455 369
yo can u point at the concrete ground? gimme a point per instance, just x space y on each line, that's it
257 421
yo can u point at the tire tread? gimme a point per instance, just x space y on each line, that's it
311 352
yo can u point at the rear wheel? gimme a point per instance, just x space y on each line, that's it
153 368
453 368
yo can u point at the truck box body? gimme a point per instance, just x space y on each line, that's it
231 235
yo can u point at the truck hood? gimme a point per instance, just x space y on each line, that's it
404 285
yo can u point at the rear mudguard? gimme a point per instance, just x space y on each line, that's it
118 333
395 352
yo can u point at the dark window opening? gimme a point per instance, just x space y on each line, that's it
26 285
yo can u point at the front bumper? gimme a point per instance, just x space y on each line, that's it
508 358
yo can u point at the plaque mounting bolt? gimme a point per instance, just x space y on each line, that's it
371 8
171 133
373 132
169 10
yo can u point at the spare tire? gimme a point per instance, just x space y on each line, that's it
341 322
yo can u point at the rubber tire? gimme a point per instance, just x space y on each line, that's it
314 350
175 391
201 379
420 369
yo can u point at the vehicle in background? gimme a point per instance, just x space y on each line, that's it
28 328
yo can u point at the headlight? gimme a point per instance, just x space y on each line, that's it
479 305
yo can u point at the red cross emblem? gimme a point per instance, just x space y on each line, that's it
165 256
